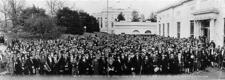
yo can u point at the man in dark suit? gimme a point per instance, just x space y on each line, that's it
165 62
129 65
117 64
102 66
223 60
42 64
110 66
55 65
62 64
123 60
82 66
29 66
49 64
96 65
68 66
90 65
37 64
147 67
137 64
18 66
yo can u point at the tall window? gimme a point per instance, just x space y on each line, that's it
178 29
101 23
168 29
159 29
112 24
163 29
192 29
106 24
224 31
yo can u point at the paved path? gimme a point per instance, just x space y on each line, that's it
2 73
200 76
211 74
154 77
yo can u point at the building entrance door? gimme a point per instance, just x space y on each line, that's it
205 29
206 33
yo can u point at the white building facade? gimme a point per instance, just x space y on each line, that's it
112 15
193 18
147 28
123 27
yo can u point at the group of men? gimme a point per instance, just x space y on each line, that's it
109 54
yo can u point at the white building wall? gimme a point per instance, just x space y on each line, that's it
183 13
219 23
180 14
165 18
129 27
112 15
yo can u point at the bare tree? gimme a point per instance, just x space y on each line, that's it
4 10
135 16
152 17
11 10
142 17
120 17
54 6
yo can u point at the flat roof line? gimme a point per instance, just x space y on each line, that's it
173 6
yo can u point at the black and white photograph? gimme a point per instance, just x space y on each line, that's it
112 39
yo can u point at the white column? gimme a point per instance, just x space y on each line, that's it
212 26
100 23
200 29
197 29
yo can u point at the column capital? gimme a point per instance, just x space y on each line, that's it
212 19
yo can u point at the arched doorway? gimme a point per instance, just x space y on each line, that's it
136 32
148 32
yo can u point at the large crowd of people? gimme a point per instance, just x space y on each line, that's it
109 54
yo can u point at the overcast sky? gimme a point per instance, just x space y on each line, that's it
94 6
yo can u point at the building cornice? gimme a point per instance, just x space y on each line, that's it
133 23
173 6
206 11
